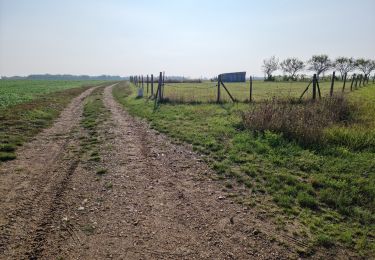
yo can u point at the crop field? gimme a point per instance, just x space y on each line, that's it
13 92
327 187
207 91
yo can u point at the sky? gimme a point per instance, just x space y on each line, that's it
192 38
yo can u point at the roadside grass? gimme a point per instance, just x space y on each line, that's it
361 134
330 189
19 123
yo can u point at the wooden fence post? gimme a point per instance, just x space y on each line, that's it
332 84
343 86
314 86
147 83
351 85
218 88
160 85
152 85
251 88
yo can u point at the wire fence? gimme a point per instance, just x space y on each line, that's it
207 91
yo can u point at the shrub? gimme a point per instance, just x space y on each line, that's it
307 201
284 201
324 240
303 121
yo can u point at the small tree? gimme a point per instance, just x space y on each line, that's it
366 66
319 64
344 65
270 66
291 66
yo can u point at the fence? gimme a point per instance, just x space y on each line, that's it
162 90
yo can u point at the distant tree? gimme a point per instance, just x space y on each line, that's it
366 66
270 66
344 65
291 66
319 64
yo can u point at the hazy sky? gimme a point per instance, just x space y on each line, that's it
184 37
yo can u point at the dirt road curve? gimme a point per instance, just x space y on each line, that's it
157 200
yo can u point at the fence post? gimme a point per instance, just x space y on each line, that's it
332 84
218 88
142 83
314 86
343 86
251 88
152 85
351 85
147 83
160 85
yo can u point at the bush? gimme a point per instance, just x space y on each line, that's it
302 121
324 240
307 201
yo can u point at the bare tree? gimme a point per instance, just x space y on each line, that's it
344 65
366 66
319 64
270 66
291 66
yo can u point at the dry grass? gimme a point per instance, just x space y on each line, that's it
303 121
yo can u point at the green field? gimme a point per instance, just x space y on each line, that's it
207 91
13 92
28 106
329 190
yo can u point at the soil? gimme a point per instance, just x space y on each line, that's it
157 199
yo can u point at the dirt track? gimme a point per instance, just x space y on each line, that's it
157 200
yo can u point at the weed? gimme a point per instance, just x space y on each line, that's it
88 229
5 156
108 185
304 122
101 171
324 240
307 201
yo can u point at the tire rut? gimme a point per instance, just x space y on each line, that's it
32 185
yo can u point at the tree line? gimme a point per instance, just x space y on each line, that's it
319 64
